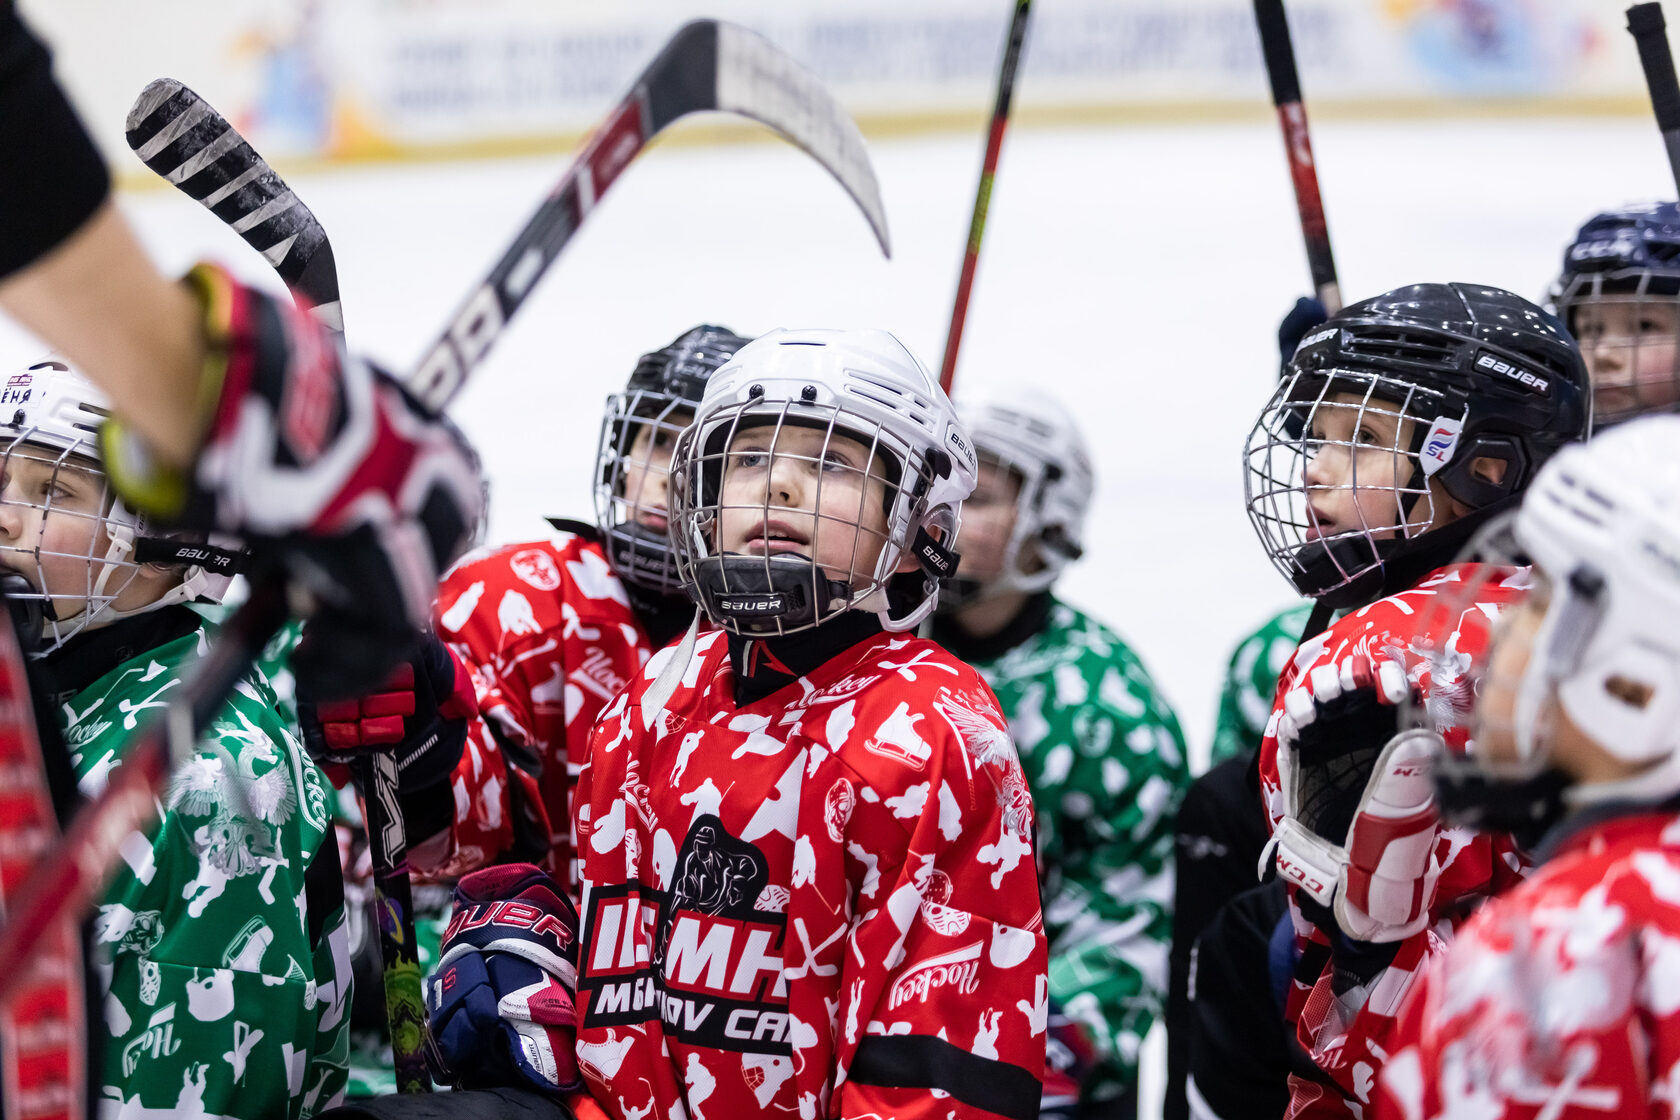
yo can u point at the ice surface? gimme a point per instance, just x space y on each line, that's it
1137 273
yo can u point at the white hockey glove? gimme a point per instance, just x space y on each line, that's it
1358 835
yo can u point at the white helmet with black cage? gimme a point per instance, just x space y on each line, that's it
824 472
1038 443
63 530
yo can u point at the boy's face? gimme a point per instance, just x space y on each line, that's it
52 533
1630 347
1360 458
988 521
804 491
643 486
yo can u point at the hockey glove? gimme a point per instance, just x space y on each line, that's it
500 1002
418 714
326 466
1307 313
1358 835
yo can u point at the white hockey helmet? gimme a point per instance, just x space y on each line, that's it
1601 524
49 418
864 385
1030 435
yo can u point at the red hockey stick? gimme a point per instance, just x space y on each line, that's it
1279 52
983 196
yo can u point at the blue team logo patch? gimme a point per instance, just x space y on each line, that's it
1439 444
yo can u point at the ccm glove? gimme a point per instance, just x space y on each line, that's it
325 466
500 1003
418 715
1358 836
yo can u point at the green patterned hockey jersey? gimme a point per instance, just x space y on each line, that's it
1245 699
1105 760
221 940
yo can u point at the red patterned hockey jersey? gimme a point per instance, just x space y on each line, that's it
819 903
548 632
1560 999
1347 1028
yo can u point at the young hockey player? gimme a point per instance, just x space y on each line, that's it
221 944
1619 294
806 843
1558 998
531 642
1101 748
1402 425
539 635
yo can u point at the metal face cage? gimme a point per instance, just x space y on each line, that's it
632 480
786 514
1338 466
1627 324
62 530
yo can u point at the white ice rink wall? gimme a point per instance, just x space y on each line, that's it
360 79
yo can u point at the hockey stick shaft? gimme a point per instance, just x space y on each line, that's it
189 144
1650 33
1278 49
983 195
707 65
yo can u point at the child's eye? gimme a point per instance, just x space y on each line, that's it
1369 438
750 459
836 462
662 440
1653 326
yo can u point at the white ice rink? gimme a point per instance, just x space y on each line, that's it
1135 273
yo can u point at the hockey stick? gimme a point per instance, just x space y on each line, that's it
1650 33
983 195
181 137
707 65
1279 51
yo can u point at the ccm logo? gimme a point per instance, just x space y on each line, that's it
1515 373
1408 771
1295 873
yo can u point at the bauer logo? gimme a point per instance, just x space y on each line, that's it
1515 373
1317 337
774 602
1439 444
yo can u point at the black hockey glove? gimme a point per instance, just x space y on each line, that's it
326 466
418 714
1307 313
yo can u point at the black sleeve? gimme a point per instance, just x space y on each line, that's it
1220 833
1239 1053
52 178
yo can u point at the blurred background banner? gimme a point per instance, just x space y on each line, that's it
373 79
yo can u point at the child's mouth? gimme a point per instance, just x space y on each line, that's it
777 537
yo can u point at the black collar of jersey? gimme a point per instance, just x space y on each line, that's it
763 665
91 654
663 617
1027 624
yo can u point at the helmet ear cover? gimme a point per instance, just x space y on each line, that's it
1461 481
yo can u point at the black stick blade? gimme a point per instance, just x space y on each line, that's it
182 138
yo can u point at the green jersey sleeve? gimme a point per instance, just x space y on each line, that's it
1245 699
1105 760
222 938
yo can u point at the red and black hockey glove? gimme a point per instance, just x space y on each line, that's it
1358 837
418 715
326 466
500 1002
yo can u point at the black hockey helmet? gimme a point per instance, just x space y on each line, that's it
1458 373
1628 257
661 395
